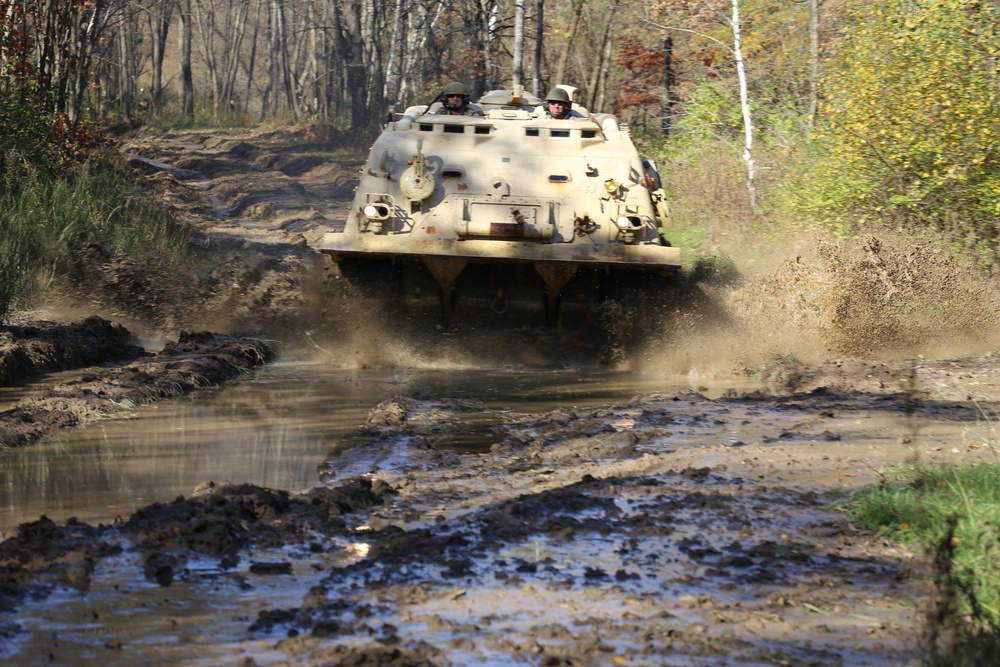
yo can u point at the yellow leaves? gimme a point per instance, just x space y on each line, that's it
912 93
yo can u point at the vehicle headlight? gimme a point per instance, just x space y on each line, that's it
376 211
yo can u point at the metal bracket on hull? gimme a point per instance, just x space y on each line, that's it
445 271
555 277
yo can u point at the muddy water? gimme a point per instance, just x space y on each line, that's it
273 429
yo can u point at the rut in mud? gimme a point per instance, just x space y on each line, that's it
671 529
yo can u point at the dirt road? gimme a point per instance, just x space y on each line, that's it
671 530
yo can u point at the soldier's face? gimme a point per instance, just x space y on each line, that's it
454 101
557 109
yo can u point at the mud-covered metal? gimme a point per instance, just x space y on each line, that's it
566 202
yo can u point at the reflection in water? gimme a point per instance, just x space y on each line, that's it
272 429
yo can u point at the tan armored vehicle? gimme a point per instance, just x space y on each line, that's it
507 212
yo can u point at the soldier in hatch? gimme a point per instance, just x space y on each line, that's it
454 101
558 106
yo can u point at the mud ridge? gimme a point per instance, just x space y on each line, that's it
194 361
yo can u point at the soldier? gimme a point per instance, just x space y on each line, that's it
558 105
454 101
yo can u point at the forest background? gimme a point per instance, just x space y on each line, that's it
838 114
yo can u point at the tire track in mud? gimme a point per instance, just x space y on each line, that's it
619 534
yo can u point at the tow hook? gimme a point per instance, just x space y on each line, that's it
500 302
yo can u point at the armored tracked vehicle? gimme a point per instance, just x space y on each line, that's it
505 214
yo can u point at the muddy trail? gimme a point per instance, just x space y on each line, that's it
672 529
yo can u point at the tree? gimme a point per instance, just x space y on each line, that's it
159 14
187 77
909 119
735 25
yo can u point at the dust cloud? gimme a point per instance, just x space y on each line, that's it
876 298
879 298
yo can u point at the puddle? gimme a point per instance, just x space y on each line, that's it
201 619
273 429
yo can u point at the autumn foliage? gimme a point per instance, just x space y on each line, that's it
39 66
909 125
644 74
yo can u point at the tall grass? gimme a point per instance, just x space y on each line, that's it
46 219
953 512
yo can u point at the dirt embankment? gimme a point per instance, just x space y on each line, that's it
671 529
256 202
119 375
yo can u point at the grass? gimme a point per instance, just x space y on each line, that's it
953 513
46 220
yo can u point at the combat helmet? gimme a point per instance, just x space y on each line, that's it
455 88
559 95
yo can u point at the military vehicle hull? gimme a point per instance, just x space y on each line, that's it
504 213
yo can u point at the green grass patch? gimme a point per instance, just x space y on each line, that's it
953 513
46 219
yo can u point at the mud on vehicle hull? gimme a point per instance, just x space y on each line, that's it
511 292
506 213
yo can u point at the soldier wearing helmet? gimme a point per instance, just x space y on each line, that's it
558 105
454 101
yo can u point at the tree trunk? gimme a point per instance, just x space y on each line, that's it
578 6
351 46
489 15
393 75
602 58
813 61
602 86
205 19
668 78
251 68
126 69
187 79
308 77
159 24
239 28
539 34
85 36
518 73
744 105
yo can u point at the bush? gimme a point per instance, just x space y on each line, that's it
59 192
909 122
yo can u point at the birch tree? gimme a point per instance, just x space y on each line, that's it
733 21
518 68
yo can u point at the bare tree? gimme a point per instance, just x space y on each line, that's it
737 51
205 19
393 76
577 14
599 71
237 28
187 77
518 68
159 14
539 33
813 59
350 43
735 25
